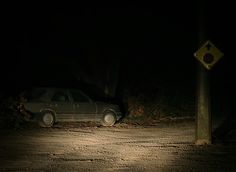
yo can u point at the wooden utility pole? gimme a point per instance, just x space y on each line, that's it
204 126
203 119
208 55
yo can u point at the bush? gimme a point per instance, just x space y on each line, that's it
157 104
9 116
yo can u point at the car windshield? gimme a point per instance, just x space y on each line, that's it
34 94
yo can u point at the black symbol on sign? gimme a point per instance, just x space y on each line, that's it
208 58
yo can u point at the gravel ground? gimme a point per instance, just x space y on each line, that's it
161 147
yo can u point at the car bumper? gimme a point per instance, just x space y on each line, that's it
118 116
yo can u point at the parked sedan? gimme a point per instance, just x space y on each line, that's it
50 105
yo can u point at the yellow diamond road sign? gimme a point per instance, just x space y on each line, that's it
208 55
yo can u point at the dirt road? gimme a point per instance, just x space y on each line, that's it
119 148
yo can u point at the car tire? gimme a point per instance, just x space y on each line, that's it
47 119
109 118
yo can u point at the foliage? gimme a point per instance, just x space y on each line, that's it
9 115
157 104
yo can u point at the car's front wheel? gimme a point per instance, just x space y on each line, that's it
46 119
109 118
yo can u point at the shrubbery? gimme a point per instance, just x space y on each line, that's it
157 104
9 116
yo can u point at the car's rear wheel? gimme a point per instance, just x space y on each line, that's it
47 119
109 118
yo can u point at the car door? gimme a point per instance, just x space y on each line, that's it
61 103
85 108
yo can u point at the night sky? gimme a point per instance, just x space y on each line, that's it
150 45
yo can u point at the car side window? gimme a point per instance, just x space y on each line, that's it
60 97
78 96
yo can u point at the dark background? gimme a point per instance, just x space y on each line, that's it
142 47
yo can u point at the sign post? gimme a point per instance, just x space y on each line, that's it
208 55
